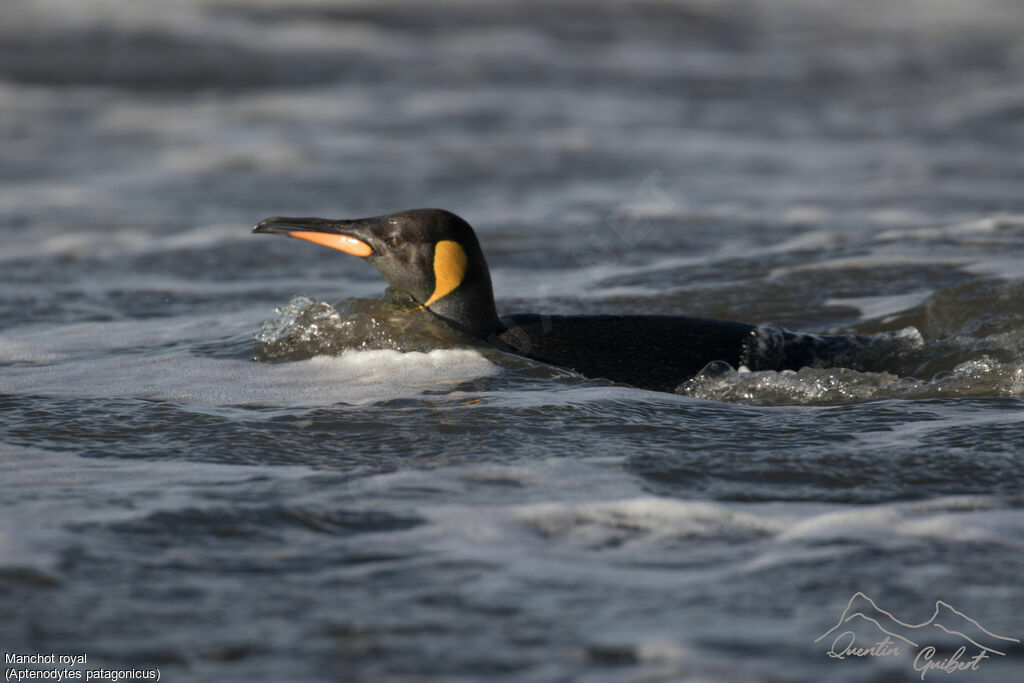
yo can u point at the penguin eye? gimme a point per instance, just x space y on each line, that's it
395 241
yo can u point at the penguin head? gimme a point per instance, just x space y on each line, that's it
430 254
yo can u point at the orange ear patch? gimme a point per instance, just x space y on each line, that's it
349 245
450 263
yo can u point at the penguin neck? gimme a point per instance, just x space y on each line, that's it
469 308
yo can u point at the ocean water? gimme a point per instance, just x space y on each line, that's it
221 459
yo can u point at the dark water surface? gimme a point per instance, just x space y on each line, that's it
366 505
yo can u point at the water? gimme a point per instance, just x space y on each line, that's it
401 509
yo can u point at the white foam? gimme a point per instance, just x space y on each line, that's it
648 515
80 340
25 352
90 360
958 518
979 377
872 307
807 241
1005 268
134 241
901 216
582 395
353 378
802 213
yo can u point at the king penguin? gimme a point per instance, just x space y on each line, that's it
434 256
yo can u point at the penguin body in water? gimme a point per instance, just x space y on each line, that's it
434 256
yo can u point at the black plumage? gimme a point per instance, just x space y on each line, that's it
434 257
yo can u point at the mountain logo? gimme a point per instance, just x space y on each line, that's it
947 630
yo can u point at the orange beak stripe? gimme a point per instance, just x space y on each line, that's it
349 245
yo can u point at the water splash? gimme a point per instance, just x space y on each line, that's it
983 376
307 327
303 320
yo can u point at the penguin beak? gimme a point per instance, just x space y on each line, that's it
347 236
